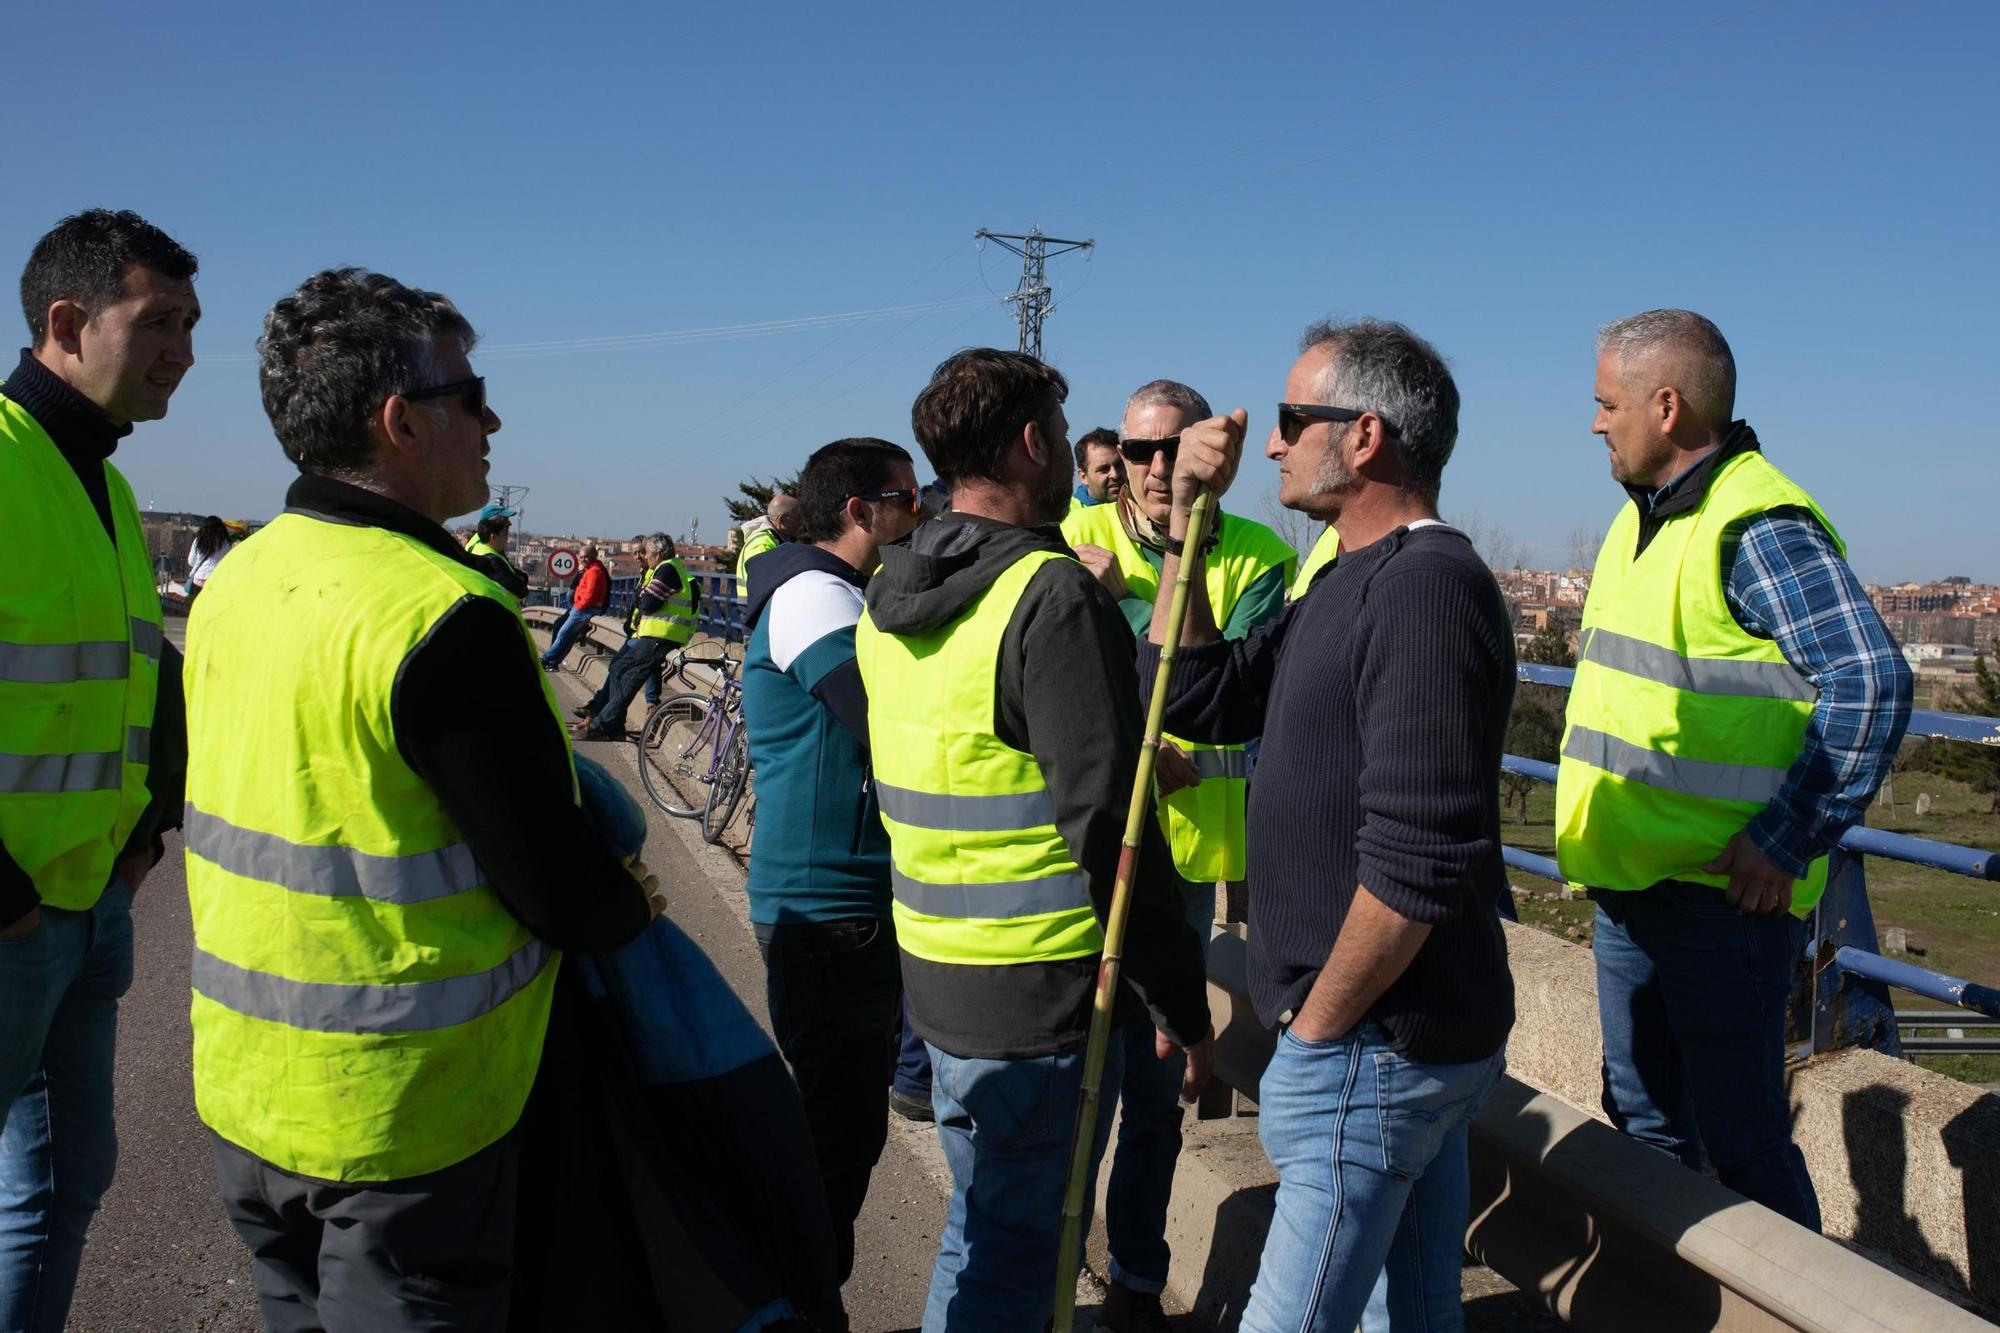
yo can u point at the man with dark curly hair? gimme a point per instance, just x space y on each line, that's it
89 722
385 849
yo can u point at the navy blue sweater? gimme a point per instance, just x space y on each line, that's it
1382 697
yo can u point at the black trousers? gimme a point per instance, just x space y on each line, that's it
835 992
431 1254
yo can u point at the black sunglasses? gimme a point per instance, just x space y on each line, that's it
1139 453
474 390
912 495
1295 417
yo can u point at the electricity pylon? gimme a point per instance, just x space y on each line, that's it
1032 300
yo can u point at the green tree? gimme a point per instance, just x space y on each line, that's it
1535 726
756 495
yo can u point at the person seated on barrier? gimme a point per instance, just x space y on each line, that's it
385 851
819 857
1247 569
589 596
661 620
1374 832
1737 703
1004 729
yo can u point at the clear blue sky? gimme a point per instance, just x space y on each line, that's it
1819 177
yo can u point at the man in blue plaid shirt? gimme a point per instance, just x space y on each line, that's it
1737 703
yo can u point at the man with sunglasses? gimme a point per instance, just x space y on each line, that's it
385 852
1124 543
819 858
1374 832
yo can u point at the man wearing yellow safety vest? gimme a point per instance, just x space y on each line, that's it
385 851
1247 571
488 545
1004 727
90 722
781 522
662 619
1737 702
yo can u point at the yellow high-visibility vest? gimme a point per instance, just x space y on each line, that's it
1204 823
980 874
365 1008
1323 553
80 636
674 621
758 542
1681 724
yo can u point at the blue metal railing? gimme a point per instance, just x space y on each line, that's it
1841 996
720 612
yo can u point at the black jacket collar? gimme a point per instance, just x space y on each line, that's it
74 423
339 502
1684 494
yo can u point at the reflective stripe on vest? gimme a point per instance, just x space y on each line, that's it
365 1008
331 871
80 645
1681 725
317 1006
980 874
1203 824
674 620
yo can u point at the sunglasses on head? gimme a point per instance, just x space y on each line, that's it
474 391
1139 453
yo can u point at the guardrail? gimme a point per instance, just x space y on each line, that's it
720 612
1840 996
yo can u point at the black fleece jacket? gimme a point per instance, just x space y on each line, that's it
1065 694
86 438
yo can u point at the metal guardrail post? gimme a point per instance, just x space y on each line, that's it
1847 1009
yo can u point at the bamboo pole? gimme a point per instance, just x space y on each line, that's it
1069 1255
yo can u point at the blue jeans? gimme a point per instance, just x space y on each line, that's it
572 627
1692 996
1373 1194
636 664
1006 1127
913 1062
59 991
1149 1139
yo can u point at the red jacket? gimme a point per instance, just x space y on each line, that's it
593 586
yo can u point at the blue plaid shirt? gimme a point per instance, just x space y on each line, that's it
1788 582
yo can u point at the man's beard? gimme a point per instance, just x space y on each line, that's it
1332 475
1053 504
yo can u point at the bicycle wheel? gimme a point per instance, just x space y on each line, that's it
674 748
727 790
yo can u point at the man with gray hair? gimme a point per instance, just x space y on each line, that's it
1373 827
385 851
1737 703
662 619
1124 543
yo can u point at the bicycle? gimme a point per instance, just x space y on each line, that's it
694 751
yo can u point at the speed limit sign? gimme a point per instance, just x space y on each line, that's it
562 563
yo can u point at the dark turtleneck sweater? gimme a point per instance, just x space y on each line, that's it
86 438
